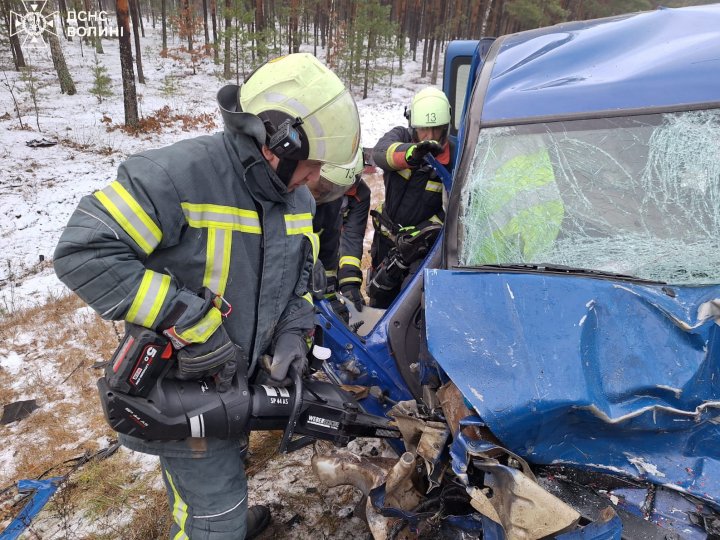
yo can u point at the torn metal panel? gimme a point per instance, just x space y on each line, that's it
41 491
607 527
337 467
425 438
512 496
525 510
457 414
607 375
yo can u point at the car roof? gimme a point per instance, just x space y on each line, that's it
658 59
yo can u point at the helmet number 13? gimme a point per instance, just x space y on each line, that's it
430 117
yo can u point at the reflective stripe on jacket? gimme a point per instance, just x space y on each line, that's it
413 197
356 208
207 212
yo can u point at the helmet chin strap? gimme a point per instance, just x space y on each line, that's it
285 169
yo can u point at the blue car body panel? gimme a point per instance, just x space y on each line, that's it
609 375
604 375
626 62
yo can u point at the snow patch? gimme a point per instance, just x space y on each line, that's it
12 362
476 394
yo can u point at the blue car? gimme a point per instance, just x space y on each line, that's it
554 369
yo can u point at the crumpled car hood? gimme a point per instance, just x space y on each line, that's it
609 375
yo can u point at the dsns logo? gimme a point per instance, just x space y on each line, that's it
33 24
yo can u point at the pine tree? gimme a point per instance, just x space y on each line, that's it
126 65
101 81
27 75
169 86
67 86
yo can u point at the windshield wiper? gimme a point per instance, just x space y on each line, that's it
559 269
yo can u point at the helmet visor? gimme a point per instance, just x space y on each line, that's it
333 130
325 191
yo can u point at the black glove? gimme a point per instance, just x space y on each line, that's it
216 357
290 350
417 152
204 347
339 308
352 293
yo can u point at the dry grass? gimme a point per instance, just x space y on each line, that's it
262 447
52 345
164 118
48 353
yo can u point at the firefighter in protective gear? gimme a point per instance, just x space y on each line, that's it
413 191
355 211
189 230
339 224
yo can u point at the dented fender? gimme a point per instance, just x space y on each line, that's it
603 374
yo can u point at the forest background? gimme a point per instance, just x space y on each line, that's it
76 98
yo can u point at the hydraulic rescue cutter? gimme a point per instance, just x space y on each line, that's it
140 399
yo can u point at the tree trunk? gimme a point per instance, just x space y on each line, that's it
418 16
205 24
324 17
260 33
405 14
188 23
441 28
431 53
17 54
492 27
486 16
136 33
98 40
92 38
163 17
295 39
370 46
436 62
126 64
425 32
140 18
228 25
216 44
67 86
316 25
62 6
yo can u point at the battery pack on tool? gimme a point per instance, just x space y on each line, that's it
143 355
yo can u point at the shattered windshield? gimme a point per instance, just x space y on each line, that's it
634 195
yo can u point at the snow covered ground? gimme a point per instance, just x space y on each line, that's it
39 188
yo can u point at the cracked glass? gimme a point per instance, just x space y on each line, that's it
636 195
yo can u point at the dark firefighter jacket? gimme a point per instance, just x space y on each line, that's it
327 224
341 224
355 210
207 212
413 197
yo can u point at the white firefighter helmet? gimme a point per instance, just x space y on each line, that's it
335 180
299 88
429 108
